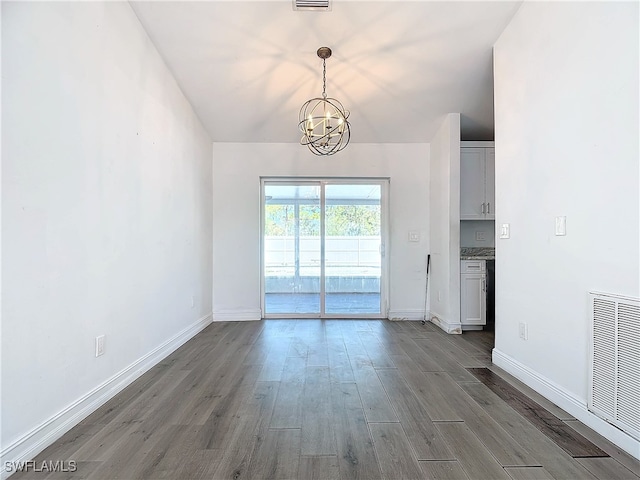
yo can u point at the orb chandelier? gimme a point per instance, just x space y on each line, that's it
323 121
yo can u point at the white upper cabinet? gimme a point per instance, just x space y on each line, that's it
477 181
472 190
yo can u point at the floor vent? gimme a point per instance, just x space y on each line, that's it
324 5
614 373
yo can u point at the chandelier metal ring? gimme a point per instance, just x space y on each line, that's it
323 121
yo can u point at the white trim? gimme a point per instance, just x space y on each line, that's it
452 328
566 400
413 314
40 437
614 296
236 315
323 247
328 316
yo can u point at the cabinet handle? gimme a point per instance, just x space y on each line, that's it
488 207
484 285
483 208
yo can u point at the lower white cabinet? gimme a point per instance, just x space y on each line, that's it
473 292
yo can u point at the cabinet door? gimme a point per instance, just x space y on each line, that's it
473 299
490 183
472 183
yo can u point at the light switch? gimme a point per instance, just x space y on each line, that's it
505 231
523 331
561 226
414 236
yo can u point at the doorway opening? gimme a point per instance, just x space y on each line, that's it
323 248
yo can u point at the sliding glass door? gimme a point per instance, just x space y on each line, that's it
323 248
353 249
291 249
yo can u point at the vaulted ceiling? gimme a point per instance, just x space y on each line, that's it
399 67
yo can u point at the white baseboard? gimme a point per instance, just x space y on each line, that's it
566 400
397 315
236 315
43 435
439 321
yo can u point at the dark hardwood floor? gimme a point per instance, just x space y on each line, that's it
332 399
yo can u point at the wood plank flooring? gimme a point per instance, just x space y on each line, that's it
570 441
332 400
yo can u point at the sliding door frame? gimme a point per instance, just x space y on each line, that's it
322 182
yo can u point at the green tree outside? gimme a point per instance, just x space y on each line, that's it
341 220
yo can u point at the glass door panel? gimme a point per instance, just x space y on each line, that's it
353 251
292 249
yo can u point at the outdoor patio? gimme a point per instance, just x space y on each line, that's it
335 303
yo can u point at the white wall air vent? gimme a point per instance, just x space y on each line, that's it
614 373
324 5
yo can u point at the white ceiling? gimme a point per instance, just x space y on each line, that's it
399 67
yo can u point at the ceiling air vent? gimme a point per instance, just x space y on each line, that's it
324 5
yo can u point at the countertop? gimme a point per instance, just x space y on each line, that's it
477 253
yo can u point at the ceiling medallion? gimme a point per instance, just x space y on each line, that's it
323 120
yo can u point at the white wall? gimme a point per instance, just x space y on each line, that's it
106 212
566 97
236 216
469 228
444 277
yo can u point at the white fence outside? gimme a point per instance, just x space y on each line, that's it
343 255
352 264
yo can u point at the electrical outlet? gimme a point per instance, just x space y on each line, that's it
523 331
481 236
99 345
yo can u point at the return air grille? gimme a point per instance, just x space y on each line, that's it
614 377
312 5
